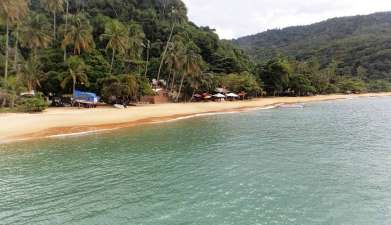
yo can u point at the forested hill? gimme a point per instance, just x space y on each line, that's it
114 37
359 45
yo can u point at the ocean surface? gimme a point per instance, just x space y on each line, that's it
328 163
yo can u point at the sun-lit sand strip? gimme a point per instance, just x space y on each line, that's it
67 121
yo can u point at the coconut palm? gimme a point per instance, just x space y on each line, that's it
136 43
117 37
163 57
9 89
148 48
76 73
78 34
35 33
192 62
11 11
176 15
174 59
31 74
54 7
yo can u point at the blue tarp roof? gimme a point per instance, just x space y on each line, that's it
88 96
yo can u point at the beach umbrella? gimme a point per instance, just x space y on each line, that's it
232 95
219 95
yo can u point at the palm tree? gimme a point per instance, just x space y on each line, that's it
76 73
31 74
11 11
175 59
9 89
191 65
78 34
176 17
53 6
136 43
163 57
35 33
117 36
148 47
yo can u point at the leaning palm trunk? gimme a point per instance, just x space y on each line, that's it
180 87
173 81
192 95
165 52
169 78
54 27
6 50
16 48
12 100
74 86
112 61
147 62
66 27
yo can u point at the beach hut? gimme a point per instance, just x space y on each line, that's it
219 97
232 96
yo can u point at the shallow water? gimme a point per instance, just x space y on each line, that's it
328 163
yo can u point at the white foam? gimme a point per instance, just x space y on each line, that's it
79 133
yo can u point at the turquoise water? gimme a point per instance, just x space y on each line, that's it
329 163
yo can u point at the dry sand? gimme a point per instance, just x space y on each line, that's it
65 121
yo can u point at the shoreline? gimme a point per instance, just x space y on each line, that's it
60 122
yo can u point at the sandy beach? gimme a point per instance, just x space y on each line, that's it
66 121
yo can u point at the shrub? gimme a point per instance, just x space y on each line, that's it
32 104
379 86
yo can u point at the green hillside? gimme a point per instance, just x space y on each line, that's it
359 45
110 47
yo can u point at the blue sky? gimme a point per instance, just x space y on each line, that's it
235 18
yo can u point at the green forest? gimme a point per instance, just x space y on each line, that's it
118 47
357 47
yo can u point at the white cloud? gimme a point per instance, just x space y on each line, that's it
235 18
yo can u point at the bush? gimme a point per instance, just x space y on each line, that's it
352 86
242 82
379 86
32 104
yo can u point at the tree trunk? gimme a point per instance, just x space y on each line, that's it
66 27
54 27
192 95
165 52
12 101
180 87
16 48
74 86
173 81
147 63
6 50
112 61
169 78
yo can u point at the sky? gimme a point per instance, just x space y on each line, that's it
236 18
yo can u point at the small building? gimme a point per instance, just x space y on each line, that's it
160 97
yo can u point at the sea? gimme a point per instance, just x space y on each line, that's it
325 163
